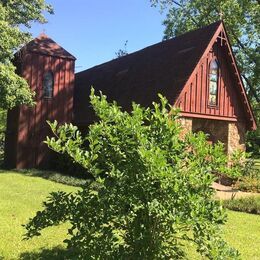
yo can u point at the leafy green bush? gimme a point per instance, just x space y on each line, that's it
243 172
253 143
2 133
252 168
248 204
150 191
253 137
250 184
62 163
247 173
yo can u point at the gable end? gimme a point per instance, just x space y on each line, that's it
232 102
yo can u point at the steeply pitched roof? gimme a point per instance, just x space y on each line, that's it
161 68
45 45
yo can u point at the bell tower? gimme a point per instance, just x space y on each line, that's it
49 71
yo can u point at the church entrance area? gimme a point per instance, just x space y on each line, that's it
215 129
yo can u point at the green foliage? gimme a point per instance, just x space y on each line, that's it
241 19
253 142
243 172
22 194
151 190
239 164
2 133
252 168
253 137
14 90
250 184
248 204
63 164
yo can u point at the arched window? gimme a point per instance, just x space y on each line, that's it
213 83
48 83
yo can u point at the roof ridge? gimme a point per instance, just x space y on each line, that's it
217 23
45 45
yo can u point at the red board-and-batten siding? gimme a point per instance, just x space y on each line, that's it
32 127
193 100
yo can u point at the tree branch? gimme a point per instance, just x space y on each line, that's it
251 89
178 4
242 46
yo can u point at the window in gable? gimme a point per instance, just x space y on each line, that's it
213 82
48 83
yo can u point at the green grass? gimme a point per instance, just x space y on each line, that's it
242 231
21 196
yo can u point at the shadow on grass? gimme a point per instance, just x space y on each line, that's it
52 176
58 177
58 253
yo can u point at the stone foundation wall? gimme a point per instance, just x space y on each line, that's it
217 130
186 124
236 136
232 134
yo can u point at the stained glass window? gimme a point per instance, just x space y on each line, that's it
48 83
213 83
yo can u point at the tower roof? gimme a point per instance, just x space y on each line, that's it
43 44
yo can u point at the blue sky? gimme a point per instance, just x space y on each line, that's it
93 30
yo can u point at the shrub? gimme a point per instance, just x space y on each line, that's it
243 172
248 204
63 163
247 173
150 190
251 184
253 143
2 134
252 168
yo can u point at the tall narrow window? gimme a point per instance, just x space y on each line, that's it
213 83
48 83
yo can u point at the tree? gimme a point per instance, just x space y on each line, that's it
150 191
2 133
241 19
122 52
14 90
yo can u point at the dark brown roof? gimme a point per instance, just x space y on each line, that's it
45 45
161 68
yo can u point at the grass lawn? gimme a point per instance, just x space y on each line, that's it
242 231
21 196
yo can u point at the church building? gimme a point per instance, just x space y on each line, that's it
196 72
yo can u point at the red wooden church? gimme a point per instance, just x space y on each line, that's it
196 71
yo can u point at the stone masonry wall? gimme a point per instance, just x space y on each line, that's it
232 134
236 136
217 130
186 124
